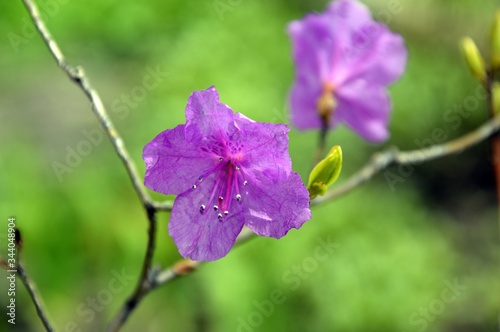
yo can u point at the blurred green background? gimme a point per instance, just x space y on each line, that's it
397 249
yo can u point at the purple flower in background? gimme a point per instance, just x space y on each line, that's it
228 171
344 61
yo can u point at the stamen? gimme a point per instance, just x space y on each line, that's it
236 187
229 183
215 169
225 187
216 185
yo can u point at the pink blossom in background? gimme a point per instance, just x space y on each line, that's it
344 61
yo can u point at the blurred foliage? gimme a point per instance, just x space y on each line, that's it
396 248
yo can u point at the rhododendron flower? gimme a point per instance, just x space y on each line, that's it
344 61
228 171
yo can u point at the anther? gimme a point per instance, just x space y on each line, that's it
219 216
202 208
238 197
238 168
220 159
216 207
200 179
245 182
226 213
221 198
194 186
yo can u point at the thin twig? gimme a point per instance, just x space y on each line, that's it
186 266
28 284
163 206
30 287
384 159
77 75
144 284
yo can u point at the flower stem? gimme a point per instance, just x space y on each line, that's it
321 141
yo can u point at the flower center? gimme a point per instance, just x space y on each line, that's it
225 190
326 103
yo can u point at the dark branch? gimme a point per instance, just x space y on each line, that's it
28 284
144 284
30 287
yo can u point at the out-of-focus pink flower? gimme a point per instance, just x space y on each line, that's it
344 61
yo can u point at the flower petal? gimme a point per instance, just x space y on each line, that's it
353 14
345 18
367 113
313 44
264 147
375 54
173 164
368 48
202 236
303 101
273 208
388 60
208 121
314 50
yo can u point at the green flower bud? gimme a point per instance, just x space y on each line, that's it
325 172
474 59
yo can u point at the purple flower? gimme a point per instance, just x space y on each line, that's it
344 61
228 171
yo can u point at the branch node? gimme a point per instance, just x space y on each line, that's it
185 267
